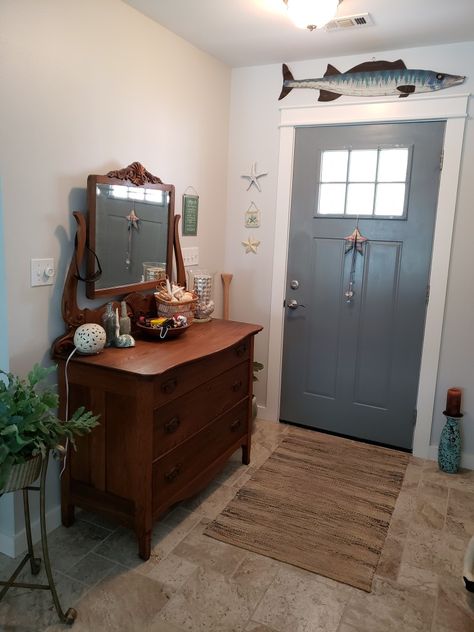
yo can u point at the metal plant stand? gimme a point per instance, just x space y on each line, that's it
35 563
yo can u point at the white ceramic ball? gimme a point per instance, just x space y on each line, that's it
89 339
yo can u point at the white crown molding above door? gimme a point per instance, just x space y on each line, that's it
449 108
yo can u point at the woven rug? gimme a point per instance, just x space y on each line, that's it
319 502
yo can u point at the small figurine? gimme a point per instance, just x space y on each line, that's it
121 341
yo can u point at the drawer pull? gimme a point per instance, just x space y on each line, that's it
241 350
173 474
169 386
236 386
235 425
172 425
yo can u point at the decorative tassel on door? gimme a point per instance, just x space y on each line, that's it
355 244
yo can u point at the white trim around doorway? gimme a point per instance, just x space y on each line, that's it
449 108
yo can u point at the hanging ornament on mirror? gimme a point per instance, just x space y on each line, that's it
132 223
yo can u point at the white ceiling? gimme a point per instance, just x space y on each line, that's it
254 32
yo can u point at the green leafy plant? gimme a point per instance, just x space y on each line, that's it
28 422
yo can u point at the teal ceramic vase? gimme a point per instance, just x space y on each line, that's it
449 450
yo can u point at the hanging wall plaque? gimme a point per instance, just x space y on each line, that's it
190 214
252 216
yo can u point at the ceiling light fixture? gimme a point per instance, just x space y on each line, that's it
311 14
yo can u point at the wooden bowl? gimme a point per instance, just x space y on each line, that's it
157 332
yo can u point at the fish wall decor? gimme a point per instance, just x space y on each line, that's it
371 79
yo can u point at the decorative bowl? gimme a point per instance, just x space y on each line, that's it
162 333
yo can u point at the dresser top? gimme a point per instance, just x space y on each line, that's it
152 357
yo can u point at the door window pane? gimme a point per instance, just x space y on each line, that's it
393 165
362 165
390 199
332 199
366 182
360 199
334 166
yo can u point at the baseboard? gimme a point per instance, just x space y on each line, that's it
264 413
467 460
16 544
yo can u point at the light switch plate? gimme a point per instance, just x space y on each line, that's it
42 272
191 256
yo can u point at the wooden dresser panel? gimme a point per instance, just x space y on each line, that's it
175 383
174 471
180 419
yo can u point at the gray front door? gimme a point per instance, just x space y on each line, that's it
355 317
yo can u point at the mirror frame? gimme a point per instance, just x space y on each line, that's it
133 175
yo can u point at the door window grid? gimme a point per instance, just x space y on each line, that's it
366 182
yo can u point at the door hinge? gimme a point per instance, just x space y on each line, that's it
428 289
415 415
441 160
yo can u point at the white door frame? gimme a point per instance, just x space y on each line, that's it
453 110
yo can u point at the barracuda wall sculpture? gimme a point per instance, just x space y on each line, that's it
371 79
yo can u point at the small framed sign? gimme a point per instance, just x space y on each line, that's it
190 214
252 216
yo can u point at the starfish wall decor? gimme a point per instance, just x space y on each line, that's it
251 245
254 176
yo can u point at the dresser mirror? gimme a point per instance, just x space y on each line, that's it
127 241
130 231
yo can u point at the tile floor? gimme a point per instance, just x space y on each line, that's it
197 584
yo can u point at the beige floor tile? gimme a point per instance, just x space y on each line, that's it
420 547
389 608
256 571
390 559
302 602
412 477
455 608
124 602
208 553
172 572
431 505
211 602
258 627
463 480
211 501
460 513
418 578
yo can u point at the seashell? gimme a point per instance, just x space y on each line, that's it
124 341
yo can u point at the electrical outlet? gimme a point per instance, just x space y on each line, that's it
191 256
42 272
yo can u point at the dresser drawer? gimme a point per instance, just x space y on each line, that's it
176 382
177 468
180 419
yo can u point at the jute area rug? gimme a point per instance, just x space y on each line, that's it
319 502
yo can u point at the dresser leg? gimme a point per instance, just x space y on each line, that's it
144 546
246 454
67 515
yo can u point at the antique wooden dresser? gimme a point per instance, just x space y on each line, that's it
171 414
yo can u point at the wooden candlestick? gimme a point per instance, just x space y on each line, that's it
453 402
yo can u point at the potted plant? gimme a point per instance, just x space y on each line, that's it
29 427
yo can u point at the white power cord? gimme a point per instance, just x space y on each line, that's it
66 413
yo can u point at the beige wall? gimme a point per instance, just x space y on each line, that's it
87 87
254 136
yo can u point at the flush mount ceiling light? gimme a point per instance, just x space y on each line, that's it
311 14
